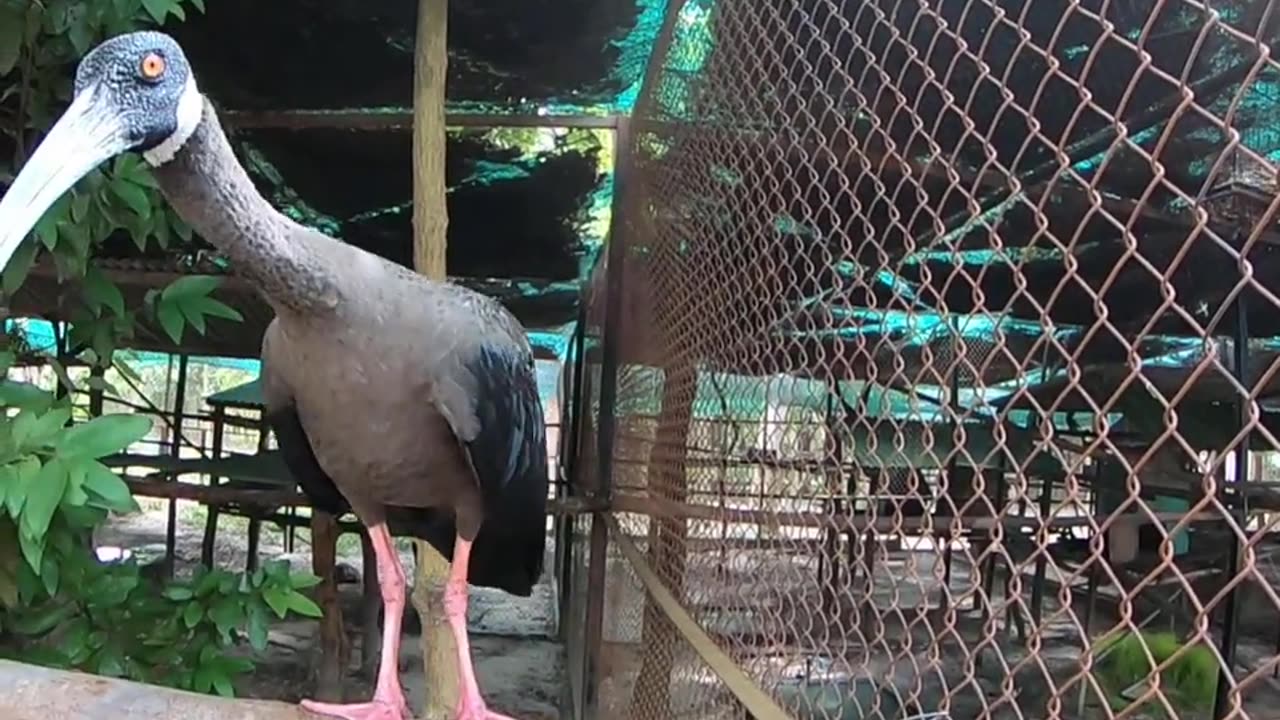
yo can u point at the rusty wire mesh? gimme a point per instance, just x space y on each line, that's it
931 395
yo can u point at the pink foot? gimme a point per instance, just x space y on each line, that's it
375 710
473 708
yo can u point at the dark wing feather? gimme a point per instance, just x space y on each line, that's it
507 445
489 396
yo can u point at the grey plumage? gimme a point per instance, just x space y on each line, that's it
359 337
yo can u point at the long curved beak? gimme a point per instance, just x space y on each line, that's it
86 135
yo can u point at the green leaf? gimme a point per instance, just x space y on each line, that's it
103 435
278 599
43 620
199 4
83 518
110 662
32 550
179 592
49 574
222 685
11 26
47 231
170 316
80 204
215 308
194 318
24 396
191 616
75 496
7 359
100 291
43 496
44 429
190 286
26 470
303 605
8 482
227 614
134 196
15 273
75 635
8 590
258 623
108 487
304 580
158 9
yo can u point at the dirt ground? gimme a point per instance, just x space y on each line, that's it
519 664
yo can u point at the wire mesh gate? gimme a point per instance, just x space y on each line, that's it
932 369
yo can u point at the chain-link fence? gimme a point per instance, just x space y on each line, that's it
934 365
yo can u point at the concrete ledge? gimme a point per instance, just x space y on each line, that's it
28 692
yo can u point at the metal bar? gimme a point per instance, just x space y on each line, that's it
830 581
879 479
613 314
606 426
1230 612
372 119
755 701
1092 608
96 395
211 517
644 504
179 400
593 632
1037 582
1000 493
953 465
569 442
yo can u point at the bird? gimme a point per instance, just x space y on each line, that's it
411 402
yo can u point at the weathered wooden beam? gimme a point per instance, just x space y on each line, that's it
264 498
29 692
382 119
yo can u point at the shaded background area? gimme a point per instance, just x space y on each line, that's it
317 99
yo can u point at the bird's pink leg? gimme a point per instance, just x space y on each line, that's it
470 704
388 698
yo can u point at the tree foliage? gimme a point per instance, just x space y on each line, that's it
59 605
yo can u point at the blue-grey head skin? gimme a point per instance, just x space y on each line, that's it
148 108
134 92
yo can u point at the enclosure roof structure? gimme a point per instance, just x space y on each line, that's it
566 57
518 70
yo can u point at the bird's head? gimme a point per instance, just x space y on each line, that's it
134 92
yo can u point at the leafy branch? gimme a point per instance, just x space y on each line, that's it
59 605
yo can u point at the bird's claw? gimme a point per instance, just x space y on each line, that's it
375 710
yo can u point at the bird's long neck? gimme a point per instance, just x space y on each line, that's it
212 192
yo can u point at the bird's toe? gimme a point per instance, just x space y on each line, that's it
377 710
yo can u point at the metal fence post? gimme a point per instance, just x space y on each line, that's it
598 563
1230 614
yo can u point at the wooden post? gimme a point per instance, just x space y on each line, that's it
430 241
333 645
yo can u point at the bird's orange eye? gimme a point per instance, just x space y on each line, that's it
153 66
